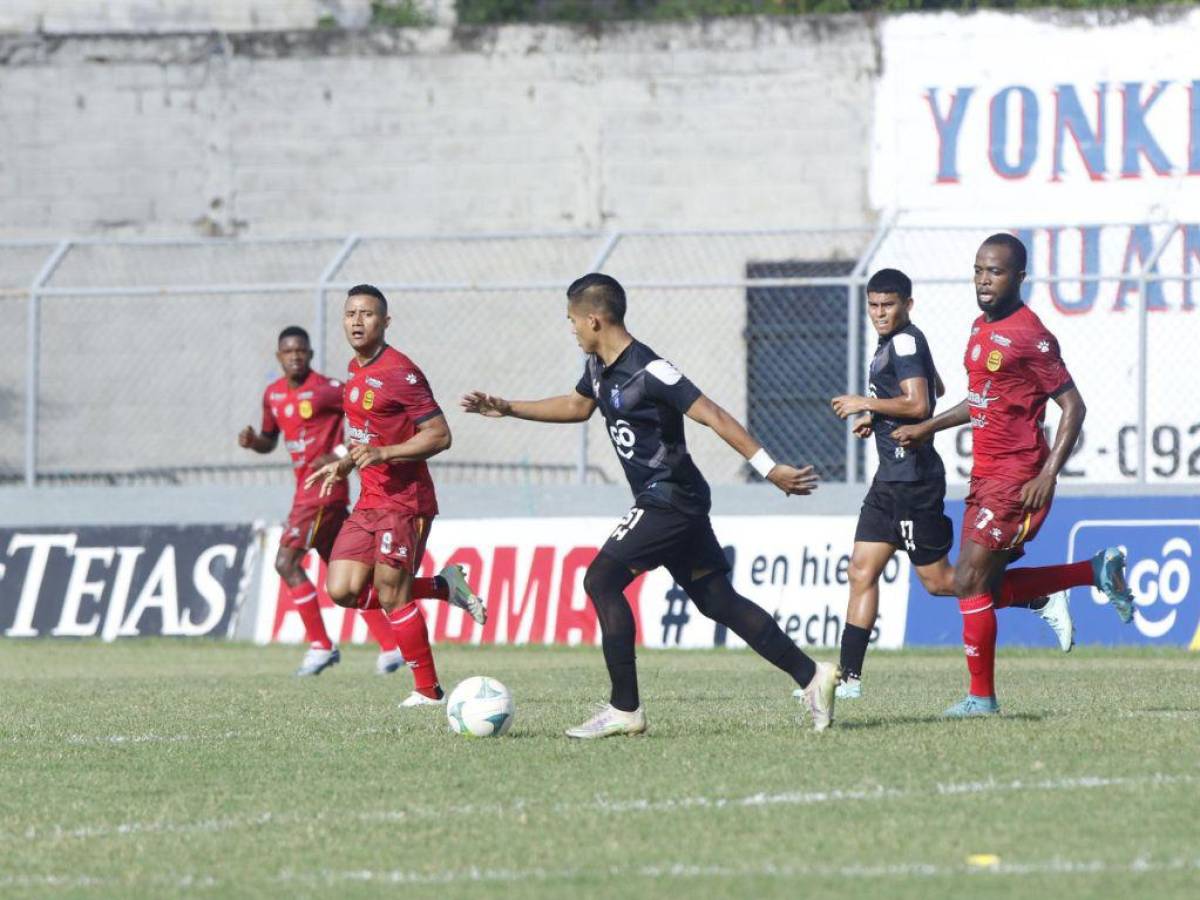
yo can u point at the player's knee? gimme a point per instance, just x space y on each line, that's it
861 575
606 579
968 582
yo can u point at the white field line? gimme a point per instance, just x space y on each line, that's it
59 832
1141 865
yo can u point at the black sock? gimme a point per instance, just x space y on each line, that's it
622 671
780 650
854 649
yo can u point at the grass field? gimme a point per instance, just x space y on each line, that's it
162 769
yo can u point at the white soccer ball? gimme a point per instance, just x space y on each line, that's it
480 707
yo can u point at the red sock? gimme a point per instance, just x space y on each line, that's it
1022 585
368 598
380 628
412 637
979 642
304 598
431 587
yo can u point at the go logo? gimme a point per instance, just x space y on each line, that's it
1167 579
622 436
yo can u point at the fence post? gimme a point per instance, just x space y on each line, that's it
33 314
327 276
598 261
1143 338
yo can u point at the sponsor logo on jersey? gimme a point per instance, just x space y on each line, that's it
979 421
1001 340
981 400
306 409
623 438
596 387
374 382
411 378
289 410
368 400
994 361
298 446
614 398
305 395
277 395
354 394
975 353
360 435
1044 346
975 331
899 452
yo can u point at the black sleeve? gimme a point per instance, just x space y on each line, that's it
585 384
666 384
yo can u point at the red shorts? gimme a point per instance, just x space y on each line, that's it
995 519
384 537
313 527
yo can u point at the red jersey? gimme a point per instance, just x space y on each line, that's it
385 401
310 418
1013 368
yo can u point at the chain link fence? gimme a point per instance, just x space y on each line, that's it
143 359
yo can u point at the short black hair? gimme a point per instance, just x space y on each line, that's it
601 292
371 291
294 331
890 281
1014 245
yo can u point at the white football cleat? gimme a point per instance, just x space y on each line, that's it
416 698
820 693
610 721
461 594
388 662
1057 614
317 661
850 689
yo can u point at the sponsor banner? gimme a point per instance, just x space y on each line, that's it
531 572
1161 536
122 581
1098 122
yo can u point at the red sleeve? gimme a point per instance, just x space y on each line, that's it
1047 369
269 425
413 391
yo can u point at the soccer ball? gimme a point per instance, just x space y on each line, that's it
480 707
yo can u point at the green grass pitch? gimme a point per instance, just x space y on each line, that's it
159 769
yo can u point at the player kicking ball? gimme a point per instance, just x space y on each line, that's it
643 399
394 426
905 507
307 408
1013 368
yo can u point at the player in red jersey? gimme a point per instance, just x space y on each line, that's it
1014 367
307 408
394 426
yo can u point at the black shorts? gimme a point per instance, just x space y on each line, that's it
909 515
651 536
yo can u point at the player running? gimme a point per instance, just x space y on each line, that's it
905 507
394 426
1013 367
307 408
643 399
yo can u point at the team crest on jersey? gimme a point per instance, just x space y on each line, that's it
288 410
614 398
354 394
411 378
994 361
975 353
374 382
306 409
368 400
1001 340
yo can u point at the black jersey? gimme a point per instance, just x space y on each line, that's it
901 355
643 398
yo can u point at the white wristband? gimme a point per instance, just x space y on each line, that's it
340 451
762 463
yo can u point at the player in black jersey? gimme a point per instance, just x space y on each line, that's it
643 399
904 509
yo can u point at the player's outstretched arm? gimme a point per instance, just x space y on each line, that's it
1037 493
911 435
573 407
259 443
789 479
